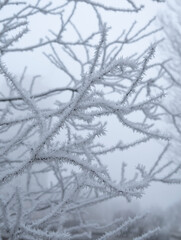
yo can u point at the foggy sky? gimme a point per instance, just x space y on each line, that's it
158 195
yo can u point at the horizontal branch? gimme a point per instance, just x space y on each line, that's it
39 95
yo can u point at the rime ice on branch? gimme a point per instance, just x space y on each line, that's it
34 143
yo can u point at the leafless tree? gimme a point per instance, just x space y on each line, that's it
171 22
39 140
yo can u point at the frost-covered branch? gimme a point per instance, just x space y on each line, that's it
45 137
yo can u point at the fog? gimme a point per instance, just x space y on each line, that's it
157 197
164 195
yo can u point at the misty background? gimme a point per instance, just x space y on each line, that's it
158 196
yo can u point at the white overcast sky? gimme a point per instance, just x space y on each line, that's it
158 195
